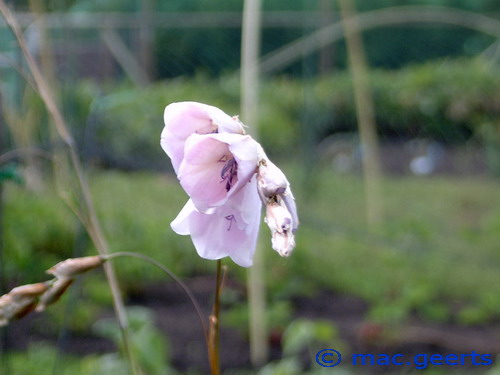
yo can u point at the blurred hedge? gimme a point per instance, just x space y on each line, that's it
449 101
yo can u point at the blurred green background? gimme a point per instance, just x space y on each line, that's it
424 279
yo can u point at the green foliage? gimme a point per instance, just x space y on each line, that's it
38 232
147 342
450 101
40 359
304 334
135 214
454 101
128 122
217 50
283 367
434 256
437 258
10 172
436 253
278 315
435 100
78 307
489 132
43 359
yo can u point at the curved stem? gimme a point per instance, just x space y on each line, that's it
24 151
19 69
184 287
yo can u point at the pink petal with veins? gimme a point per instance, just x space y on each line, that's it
229 230
185 118
216 166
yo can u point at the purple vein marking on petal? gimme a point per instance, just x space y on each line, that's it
228 172
230 218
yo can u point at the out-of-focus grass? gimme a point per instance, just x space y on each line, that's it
149 344
435 252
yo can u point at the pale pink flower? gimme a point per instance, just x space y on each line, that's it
226 175
218 172
185 118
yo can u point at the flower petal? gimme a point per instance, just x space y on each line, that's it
230 230
185 118
200 171
206 173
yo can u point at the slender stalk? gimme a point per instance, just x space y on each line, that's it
249 72
184 287
4 364
98 238
19 69
213 335
250 47
23 151
366 114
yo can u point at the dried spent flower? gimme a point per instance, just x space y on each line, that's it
56 290
28 290
6 311
72 267
271 181
280 222
281 211
272 185
20 301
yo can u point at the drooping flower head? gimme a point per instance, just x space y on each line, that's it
281 212
226 175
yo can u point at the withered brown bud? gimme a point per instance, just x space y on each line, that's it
72 267
5 309
55 292
20 301
29 290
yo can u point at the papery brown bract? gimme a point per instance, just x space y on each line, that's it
52 295
72 267
20 301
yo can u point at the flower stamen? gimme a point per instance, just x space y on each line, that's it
229 172
230 218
